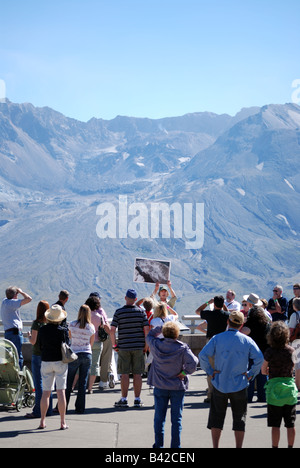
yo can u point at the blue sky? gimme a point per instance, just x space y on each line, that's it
149 58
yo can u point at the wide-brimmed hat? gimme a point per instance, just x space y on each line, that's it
254 300
55 314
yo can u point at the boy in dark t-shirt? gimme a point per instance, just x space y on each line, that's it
216 319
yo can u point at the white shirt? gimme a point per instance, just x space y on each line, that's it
81 337
158 322
233 305
294 319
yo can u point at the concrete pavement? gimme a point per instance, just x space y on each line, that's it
104 426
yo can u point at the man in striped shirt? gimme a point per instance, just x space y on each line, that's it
132 325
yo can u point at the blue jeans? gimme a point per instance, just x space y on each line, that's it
161 399
260 380
82 365
17 340
36 362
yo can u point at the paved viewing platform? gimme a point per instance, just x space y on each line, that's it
106 427
129 430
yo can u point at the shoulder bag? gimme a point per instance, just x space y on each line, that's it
67 354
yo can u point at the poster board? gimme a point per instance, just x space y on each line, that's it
147 270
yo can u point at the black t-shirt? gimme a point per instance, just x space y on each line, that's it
258 331
51 336
216 321
283 304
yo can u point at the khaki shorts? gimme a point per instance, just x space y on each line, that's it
131 361
54 372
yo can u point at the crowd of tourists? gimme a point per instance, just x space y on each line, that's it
251 346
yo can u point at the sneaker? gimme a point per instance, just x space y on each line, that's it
121 403
111 381
102 386
138 403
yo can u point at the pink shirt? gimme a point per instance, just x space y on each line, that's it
98 318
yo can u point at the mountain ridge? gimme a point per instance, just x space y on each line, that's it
55 171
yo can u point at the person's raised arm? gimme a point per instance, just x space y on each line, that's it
26 297
203 306
173 294
173 312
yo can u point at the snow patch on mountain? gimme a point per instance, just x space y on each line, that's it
241 191
283 218
289 184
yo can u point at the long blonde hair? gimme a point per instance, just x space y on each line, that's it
161 310
84 316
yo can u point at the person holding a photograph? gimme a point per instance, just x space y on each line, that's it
163 294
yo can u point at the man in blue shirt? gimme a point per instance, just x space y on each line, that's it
231 351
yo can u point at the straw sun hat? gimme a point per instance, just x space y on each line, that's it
55 314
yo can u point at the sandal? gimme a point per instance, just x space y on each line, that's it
64 427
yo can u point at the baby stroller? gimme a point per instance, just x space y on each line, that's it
16 386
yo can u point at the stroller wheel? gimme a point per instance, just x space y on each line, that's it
30 401
19 405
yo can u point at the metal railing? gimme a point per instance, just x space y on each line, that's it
26 328
191 325
193 322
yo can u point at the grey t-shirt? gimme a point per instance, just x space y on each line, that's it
10 314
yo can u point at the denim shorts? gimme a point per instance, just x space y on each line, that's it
131 361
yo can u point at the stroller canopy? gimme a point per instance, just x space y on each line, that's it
8 353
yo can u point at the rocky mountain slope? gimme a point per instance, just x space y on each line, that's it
56 171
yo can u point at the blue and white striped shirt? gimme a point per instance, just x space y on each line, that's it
130 322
